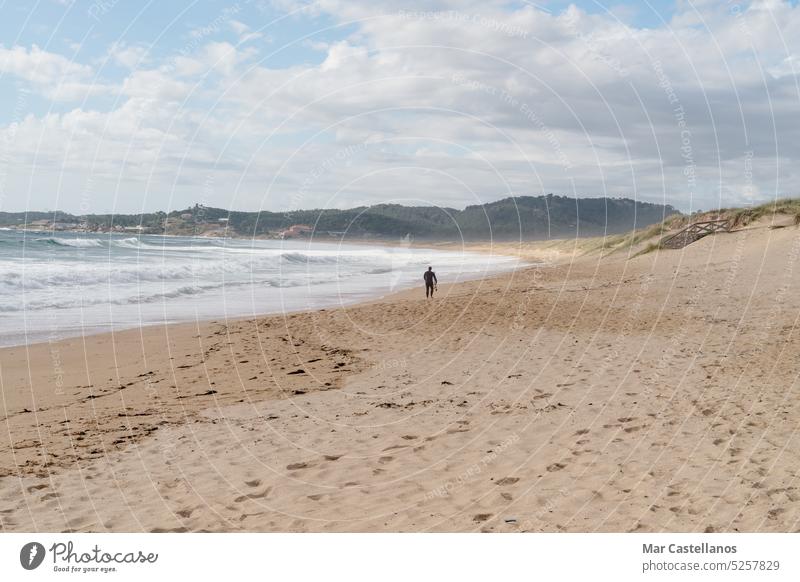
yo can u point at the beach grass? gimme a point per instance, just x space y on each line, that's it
740 217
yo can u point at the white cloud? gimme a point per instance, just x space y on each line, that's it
128 56
39 66
470 100
52 75
156 85
216 57
243 31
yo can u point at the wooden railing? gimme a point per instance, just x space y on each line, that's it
695 231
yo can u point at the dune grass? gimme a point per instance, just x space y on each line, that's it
648 239
786 206
740 217
619 242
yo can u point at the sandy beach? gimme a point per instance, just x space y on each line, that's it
593 393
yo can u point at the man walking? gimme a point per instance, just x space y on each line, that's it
430 282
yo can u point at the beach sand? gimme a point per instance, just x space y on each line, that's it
656 393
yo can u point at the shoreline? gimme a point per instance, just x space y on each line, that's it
105 345
314 299
599 394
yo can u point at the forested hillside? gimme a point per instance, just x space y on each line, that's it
525 217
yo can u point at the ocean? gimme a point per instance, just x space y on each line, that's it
57 285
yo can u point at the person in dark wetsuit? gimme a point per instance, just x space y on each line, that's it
430 282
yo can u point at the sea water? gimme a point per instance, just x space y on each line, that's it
55 285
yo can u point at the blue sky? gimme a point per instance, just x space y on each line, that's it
84 30
118 106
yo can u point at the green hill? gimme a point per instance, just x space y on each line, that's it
521 217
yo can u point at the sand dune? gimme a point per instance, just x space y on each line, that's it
658 393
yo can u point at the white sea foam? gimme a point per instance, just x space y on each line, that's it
63 284
72 242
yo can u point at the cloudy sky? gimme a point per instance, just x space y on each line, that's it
122 106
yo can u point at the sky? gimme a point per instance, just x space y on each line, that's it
122 106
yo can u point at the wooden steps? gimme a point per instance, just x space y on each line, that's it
695 231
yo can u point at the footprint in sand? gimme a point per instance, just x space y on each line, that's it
332 457
507 481
243 517
253 483
482 517
295 466
264 493
454 430
774 513
555 467
384 460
